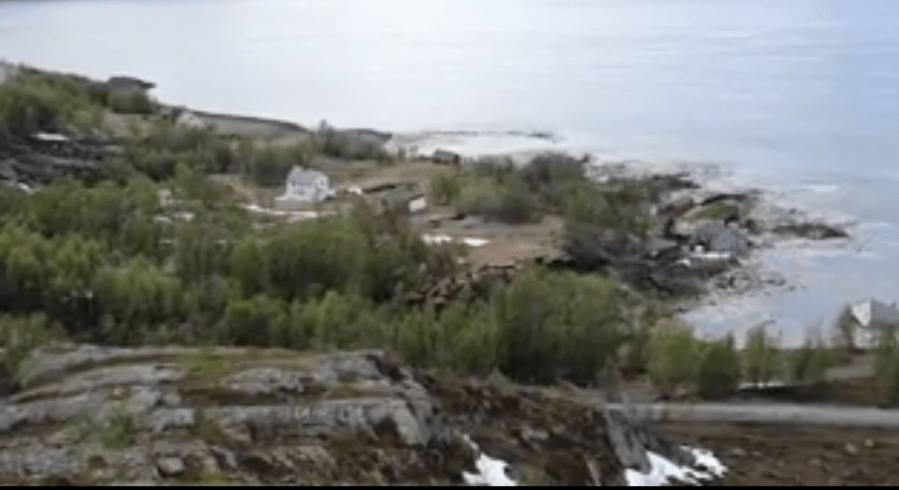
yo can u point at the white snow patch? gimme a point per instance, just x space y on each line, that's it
765 384
711 255
491 472
432 239
292 216
470 241
475 242
663 471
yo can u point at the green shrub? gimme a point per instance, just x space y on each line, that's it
338 320
201 250
719 370
138 295
471 342
812 361
497 171
886 369
445 189
18 336
513 205
672 356
129 102
32 102
270 166
761 356
255 321
551 176
845 326
558 325
348 146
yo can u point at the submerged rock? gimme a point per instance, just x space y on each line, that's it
813 231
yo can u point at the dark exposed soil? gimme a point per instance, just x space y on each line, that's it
760 455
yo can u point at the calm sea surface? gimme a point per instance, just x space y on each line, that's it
799 96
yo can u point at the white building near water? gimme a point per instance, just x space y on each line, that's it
306 185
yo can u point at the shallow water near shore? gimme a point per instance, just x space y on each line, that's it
799 98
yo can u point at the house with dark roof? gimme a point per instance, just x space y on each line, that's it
403 199
444 157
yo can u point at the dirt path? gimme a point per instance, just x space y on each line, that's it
768 413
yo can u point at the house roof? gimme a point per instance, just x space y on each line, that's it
129 83
304 175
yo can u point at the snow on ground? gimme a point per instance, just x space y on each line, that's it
491 472
663 471
470 241
765 384
291 216
475 242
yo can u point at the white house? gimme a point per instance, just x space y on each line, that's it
306 185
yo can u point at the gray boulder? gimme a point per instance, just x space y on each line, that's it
720 237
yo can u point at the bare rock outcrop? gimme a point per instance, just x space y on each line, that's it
105 415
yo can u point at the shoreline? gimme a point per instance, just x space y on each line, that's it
274 129
691 207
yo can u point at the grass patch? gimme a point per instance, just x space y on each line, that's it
532 476
886 369
206 428
718 211
118 432
208 367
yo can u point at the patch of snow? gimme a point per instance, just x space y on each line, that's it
475 242
432 239
662 471
50 137
711 255
766 384
292 216
491 472
707 460
470 241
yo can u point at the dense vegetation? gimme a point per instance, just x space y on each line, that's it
36 101
152 251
